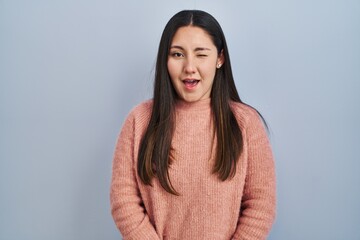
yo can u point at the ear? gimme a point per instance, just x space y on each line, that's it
220 60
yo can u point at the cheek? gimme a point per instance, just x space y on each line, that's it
172 69
208 70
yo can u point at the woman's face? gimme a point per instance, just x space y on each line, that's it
192 63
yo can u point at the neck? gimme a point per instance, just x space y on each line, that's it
202 104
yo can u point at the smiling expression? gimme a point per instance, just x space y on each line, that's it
192 63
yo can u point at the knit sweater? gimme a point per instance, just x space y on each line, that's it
242 207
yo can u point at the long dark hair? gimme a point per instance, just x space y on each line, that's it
154 152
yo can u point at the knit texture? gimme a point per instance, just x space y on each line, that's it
242 207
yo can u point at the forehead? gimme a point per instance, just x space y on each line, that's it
192 36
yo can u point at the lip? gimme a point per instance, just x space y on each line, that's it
190 83
190 79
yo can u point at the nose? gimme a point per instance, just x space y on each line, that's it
189 66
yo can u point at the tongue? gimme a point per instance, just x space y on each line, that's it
190 84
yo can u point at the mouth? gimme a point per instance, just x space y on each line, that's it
190 83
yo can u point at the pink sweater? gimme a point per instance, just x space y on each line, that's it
207 208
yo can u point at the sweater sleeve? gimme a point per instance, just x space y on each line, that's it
259 197
126 204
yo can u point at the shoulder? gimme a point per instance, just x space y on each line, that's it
141 110
244 114
140 114
252 125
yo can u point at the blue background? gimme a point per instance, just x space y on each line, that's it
70 71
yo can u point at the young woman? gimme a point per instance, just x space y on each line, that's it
195 161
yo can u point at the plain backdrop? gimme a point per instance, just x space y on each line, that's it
70 71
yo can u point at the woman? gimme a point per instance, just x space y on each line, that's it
195 161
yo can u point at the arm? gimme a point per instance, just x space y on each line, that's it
126 203
259 197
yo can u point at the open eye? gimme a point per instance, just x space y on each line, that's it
177 54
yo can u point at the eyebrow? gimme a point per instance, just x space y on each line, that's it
196 49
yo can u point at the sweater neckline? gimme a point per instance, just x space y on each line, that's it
201 105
